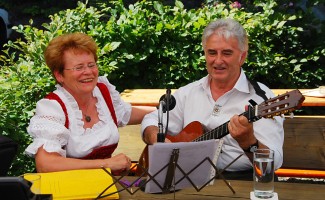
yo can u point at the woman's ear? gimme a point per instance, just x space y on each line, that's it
58 76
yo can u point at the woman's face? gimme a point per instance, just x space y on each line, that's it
80 73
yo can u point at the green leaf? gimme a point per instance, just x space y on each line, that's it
179 4
281 24
159 7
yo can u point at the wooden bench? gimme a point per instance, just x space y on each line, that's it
304 147
304 142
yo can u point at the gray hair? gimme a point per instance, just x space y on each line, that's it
227 28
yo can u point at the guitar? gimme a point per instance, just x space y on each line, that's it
195 131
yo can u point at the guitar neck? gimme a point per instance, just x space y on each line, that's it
218 132
275 106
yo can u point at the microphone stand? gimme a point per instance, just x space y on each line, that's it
161 134
168 98
164 104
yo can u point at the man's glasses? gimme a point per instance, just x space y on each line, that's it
82 67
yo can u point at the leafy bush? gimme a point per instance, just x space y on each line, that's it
151 45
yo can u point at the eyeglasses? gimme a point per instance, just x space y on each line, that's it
82 67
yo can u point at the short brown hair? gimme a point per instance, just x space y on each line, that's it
73 41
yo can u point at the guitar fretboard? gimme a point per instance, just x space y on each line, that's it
221 130
216 133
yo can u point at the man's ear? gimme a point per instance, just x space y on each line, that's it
243 58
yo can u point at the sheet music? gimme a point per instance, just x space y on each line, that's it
215 158
190 155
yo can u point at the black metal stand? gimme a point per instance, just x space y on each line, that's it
169 183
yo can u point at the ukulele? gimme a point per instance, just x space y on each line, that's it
195 131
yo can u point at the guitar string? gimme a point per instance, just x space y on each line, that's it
217 133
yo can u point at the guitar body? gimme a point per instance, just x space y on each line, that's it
192 131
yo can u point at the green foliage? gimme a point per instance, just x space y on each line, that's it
162 44
35 8
151 45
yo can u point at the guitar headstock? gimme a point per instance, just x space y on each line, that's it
282 104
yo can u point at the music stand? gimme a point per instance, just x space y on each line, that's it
170 176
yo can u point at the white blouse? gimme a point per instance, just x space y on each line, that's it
47 125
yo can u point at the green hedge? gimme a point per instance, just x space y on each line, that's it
151 45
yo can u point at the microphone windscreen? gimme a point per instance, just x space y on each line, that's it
171 103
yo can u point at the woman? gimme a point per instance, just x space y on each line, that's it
75 127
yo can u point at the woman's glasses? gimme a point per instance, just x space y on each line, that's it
82 67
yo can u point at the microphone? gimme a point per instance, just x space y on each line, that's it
167 102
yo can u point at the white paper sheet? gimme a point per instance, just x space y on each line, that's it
190 155
318 92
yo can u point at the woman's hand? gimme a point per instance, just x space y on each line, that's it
118 162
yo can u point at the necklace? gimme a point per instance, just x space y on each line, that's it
87 117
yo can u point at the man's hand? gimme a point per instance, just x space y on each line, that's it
242 131
150 135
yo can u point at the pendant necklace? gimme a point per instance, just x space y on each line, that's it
87 117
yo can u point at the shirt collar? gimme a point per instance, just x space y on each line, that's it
241 84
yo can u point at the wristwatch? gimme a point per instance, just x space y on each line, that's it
252 148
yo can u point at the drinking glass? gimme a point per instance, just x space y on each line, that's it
263 173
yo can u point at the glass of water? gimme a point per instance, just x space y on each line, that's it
263 173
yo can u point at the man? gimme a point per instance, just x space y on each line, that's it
222 96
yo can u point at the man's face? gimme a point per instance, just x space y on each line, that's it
223 59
